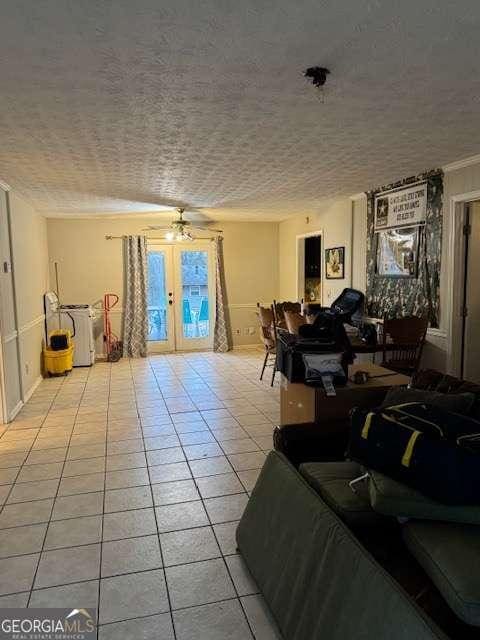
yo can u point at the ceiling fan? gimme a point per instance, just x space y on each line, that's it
178 229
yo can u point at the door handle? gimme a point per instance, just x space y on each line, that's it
170 302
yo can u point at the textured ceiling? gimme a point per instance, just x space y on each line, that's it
132 106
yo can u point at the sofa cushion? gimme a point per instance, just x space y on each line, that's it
455 402
450 555
436 381
331 481
392 498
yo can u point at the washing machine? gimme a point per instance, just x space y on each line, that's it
79 318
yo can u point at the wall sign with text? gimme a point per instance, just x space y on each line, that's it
403 207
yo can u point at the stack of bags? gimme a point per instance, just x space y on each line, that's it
421 453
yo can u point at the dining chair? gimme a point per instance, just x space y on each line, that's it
279 309
402 343
269 339
293 321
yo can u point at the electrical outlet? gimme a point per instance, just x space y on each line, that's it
238 332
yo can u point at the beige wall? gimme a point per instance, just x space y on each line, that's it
334 221
30 258
89 265
23 319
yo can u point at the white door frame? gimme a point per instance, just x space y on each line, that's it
178 342
299 255
455 277
3 402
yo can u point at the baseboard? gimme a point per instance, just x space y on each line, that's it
238 347
15 411
32 389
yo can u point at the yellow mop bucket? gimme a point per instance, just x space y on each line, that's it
58 361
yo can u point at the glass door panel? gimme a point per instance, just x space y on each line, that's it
195 321
194 288
161 334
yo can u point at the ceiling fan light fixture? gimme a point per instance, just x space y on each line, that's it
170 236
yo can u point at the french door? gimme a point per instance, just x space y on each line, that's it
180 296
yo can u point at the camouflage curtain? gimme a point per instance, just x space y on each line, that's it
135 321
221 336
388 297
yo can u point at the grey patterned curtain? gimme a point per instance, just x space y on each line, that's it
221 336
135 320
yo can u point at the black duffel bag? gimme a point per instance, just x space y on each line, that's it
430 450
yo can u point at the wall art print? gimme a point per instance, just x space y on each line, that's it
335 263
397 252
418 294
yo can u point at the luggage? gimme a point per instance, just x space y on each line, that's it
290 351
425 448
322 369
291 348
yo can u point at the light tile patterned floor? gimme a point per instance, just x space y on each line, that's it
121 488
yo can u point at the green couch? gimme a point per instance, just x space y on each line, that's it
319 581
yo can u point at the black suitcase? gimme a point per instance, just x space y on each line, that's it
290 351
326 335
425 448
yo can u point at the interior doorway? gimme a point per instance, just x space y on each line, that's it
180 297
309 267
470 353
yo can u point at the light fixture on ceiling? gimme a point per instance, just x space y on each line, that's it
179 231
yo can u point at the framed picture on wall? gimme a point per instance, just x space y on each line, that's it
397 252
335 263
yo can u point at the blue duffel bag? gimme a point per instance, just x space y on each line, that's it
426 448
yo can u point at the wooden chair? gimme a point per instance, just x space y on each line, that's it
269 339
279 309
293 321
402 342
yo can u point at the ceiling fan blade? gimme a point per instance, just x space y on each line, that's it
208 229
154 228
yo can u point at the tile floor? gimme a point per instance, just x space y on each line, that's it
121 488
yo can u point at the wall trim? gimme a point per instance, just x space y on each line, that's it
250 346
438 333
461 164
249 305
233 305
15 411
359 196
32 389
30 325
9 337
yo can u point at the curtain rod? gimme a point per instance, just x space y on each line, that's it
211 238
